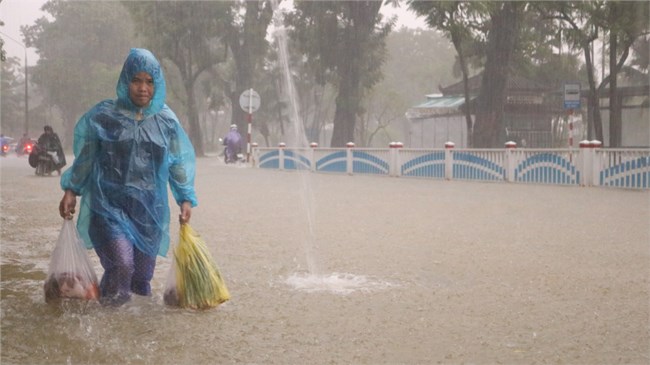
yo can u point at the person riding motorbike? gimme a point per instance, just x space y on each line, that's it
25 145
50 143
233 142
4 145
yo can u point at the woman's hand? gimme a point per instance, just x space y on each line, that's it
186 213
68 204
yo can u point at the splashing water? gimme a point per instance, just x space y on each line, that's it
337 283
299 138
314 281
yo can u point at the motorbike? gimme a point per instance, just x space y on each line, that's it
5 149
25 148
231 156
45 162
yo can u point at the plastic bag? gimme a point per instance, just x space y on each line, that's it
70 274
194 280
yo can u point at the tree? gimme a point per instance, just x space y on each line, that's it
581 32
3 53
12 101
502 37
187 33
245 36
312 104
417 63
345 42
455 19
80 54
626 21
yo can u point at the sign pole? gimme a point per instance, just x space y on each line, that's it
249 101
250 125
572 98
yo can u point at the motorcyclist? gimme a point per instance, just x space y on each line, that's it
50 142
23 143
233 142
3 141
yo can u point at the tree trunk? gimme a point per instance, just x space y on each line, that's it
193 119
492 96
593 104
192 116
455 38
246 44
363 15
345 116
614 107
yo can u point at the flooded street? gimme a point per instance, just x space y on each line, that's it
337 269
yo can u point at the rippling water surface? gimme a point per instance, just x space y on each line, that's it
410 271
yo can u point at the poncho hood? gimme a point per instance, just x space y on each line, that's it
139 60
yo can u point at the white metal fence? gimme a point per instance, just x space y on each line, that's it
589 165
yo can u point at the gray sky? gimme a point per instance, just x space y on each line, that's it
16 13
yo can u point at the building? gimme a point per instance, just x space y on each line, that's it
534 116
531 116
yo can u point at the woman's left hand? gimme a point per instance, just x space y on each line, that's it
186 213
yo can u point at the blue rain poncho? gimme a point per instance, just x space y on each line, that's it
122 165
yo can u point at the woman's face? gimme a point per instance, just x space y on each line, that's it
141 89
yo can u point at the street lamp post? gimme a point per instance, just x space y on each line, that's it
26 83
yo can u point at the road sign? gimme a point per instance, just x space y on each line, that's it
250 101
571 96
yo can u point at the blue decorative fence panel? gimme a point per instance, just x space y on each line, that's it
333 162
293 160
430 165
478 165
587 166
270 160
364 162
633 173
547 168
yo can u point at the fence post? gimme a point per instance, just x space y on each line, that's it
312 160
595 162
349 158
510 161
449 160
398 158
256 154
586 165
394 165
281 147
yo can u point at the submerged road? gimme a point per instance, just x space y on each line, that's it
337 269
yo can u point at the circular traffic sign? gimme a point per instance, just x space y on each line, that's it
249 101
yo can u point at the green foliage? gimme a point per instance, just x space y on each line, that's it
245 37
3 53
417 63
80 54
12 103
188 34
344 42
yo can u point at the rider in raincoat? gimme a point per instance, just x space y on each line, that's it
233 143
127 151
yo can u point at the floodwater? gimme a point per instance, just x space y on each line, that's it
409 271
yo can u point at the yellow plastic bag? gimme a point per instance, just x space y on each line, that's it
194 280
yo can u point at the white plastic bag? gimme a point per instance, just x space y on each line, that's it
70 274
